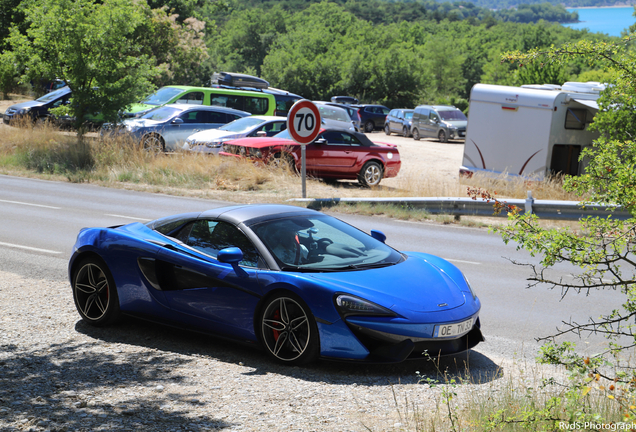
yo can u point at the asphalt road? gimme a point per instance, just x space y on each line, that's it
40 220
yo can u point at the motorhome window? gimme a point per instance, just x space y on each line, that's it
194 98
575 118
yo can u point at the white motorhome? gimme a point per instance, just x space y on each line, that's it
530 131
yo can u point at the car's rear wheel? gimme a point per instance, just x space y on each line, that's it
153 143
442 136
371 174
288 330
416 135
387 130
369 126
405 131
95 293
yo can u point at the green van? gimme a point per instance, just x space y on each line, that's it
255 103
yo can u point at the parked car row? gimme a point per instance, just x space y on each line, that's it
428 121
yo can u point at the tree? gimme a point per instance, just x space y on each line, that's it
90 45
603 248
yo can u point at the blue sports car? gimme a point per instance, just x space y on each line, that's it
295 281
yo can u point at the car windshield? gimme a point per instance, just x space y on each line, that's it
53 95
242 125
408 115
161 113
323 243
452 115
162 96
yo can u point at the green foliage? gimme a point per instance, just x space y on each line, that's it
8 74
92 46
602 249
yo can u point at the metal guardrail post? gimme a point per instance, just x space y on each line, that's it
529 203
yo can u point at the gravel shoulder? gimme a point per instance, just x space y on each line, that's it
59 374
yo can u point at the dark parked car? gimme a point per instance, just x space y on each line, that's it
37 109
372 116
335 154
399 121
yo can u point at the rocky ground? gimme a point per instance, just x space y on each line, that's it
59 374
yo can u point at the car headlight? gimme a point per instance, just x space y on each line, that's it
451 127
132 128
23 111
255 152
470 287
214 144
351 305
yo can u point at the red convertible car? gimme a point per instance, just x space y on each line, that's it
335 154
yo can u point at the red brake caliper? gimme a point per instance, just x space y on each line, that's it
276 317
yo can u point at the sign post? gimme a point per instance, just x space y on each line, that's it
303 123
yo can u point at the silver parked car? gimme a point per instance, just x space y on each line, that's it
167 127
211 141
443 122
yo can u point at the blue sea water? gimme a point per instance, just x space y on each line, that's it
609 20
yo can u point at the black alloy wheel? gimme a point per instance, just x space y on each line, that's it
288 330
95 293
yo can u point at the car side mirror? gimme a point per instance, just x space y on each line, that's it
261 134
378 235
177 121
232 256
320 141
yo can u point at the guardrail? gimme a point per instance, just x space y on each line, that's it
546 209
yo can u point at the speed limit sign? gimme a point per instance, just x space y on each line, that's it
303 122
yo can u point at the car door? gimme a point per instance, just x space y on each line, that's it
214 295
337 154
192 121
431 124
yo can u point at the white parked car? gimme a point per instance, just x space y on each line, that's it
210 141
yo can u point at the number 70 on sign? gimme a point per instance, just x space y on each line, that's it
303 122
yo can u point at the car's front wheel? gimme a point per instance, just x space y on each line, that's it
371 174
416 135
153 143
387 129
288 330
283 160
405 131
442 136
369 126
95 293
